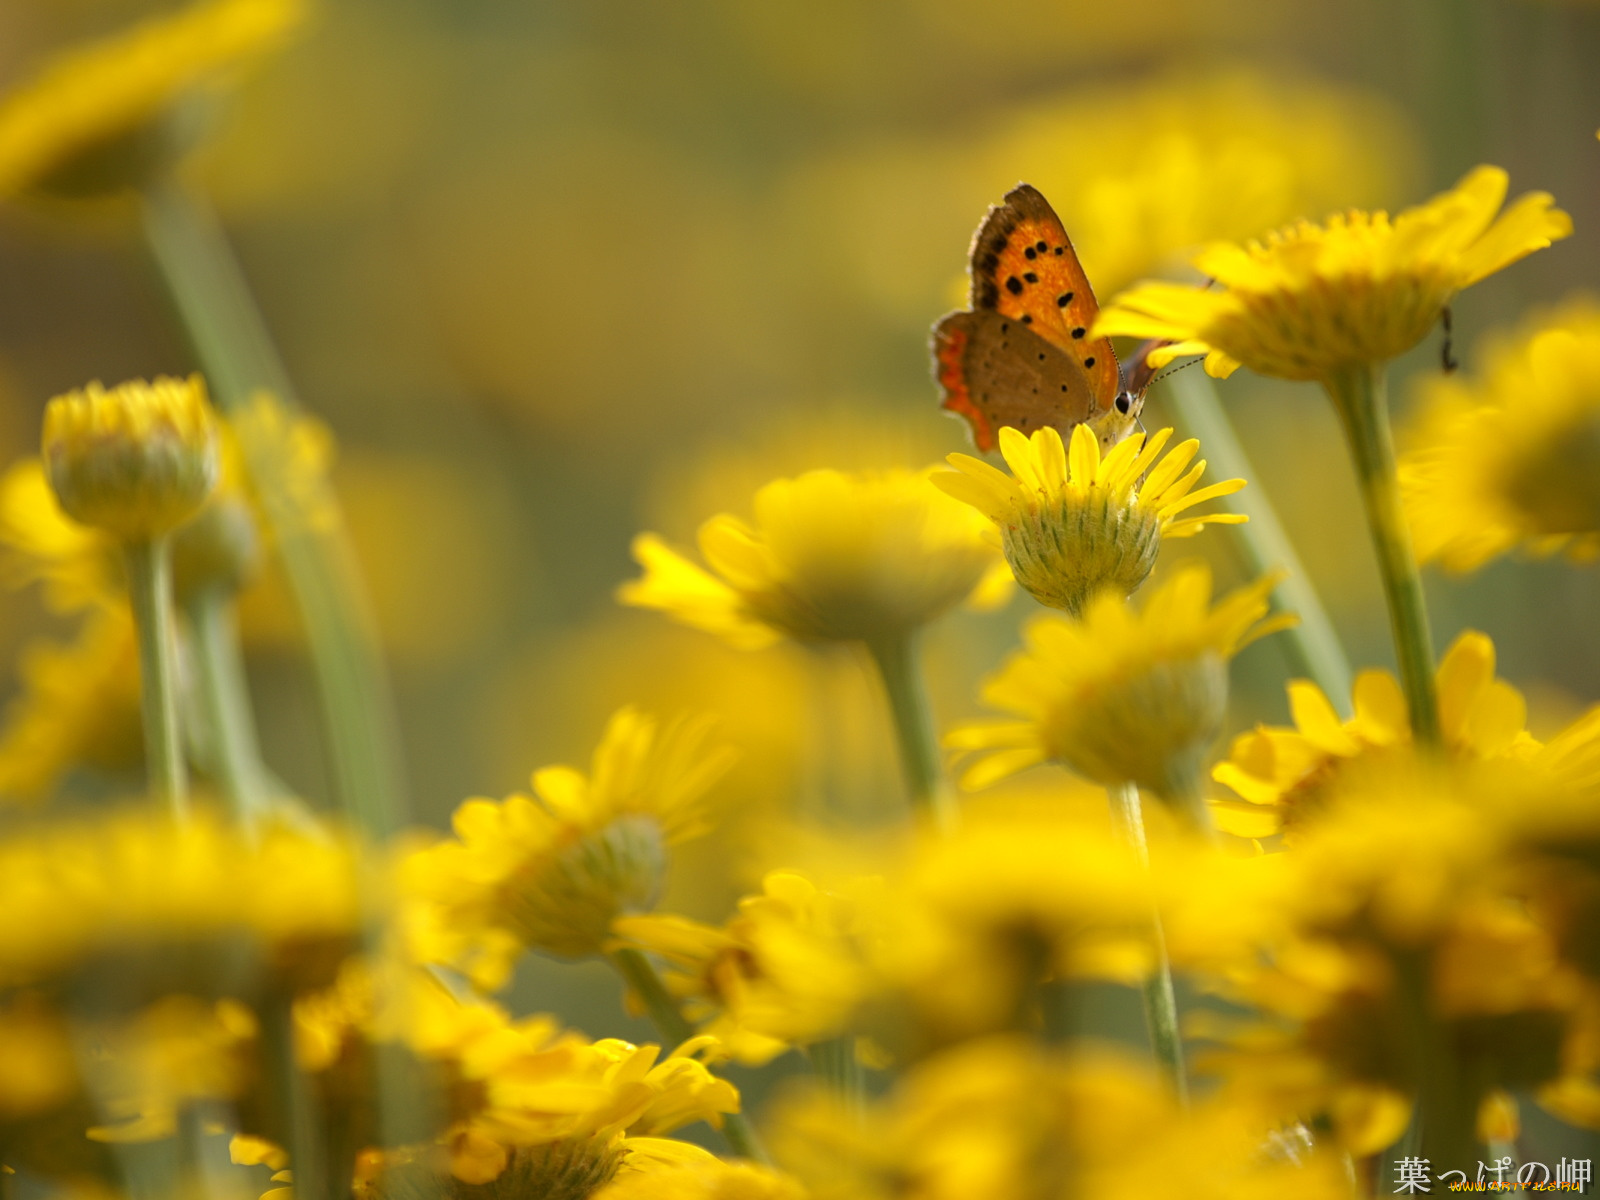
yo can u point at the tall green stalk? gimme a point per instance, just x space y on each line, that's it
149 567
1160 999
1360 396
640 975
225 699
239 358
915 737
1313 644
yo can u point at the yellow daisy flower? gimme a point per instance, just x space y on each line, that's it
830 557
1072 525
1122 696
552 870
1316 300
79 705
785 971
1510 460
1288 776
86 121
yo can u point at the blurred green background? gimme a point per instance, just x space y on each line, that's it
556 272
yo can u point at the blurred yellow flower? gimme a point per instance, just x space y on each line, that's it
1286 777
91 106
787 970
830 557
1318 300
146 1068
1002 1117
972 923
136 461
1393 977
1142 173
710 1180
41 1069
79 705
1072 525
165 908
1510 460
1122 696
77 566
552 870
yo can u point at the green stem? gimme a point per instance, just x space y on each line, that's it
1160 1000
640 975
1185 793
235 756
1313 644
896 659
1448 1093
1360 396
150 594
834 1062
294 1105
237 353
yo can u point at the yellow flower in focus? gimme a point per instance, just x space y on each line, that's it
133 887
711 1180
1122 696
1317 300
135 462
552 870
830 557
1287 777
1073 525
1000 1117
1510 460
785 971
82 122
79 705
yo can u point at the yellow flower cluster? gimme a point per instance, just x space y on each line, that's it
1399 929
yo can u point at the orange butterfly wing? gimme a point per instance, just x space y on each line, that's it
1023 266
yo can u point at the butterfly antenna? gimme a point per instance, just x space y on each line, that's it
1174 370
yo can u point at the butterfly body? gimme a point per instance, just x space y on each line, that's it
1023 355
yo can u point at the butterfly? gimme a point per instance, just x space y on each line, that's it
1022 355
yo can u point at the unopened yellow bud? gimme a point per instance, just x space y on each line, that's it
220 549
136 461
